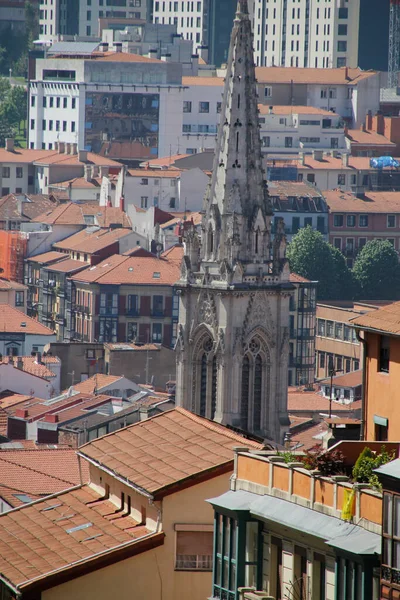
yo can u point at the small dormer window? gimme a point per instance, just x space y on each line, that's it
156 275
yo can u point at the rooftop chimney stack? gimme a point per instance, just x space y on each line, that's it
38 360
20 363
82 156
10 144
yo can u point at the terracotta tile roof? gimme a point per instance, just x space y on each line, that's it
66 160
135 270
309 436
40 472
77 527
368 138
9 284
48 257
385 319
69 265
73 213
84 408
23 155
350 380
29 365
165 450
196 217
294 278
27 211
372 202
175 253
77 182
35 408
207 81
15 497
312 401
96 382
11 399
310 75
298 189
11 320
163 161
155 173
288 110
91 240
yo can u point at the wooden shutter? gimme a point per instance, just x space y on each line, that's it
198 543
168 306
167 335
121 305
145 306
144 332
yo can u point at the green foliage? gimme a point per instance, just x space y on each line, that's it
367 462
13 108
288 456
15 44
312 257
328 462
377 271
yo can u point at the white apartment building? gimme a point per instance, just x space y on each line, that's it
306 33
81 17
111 103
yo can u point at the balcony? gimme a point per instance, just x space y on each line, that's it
157 312
132 312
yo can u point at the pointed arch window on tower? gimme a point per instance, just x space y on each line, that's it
244 412
210 241
203 385
253 368
237 142
205 372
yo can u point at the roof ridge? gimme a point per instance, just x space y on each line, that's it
213 426
35 470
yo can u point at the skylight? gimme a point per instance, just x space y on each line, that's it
79 527
156 275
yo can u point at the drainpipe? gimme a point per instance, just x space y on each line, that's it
363 341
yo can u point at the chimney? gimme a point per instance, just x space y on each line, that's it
143 413
20 363
363 127
118 47
67 148
61 147
10 359
167 57
195 64
10 144
88 172
346 73
21 413
369 120
74 148
103 171
358 191
380 123
271 110
104 47
302 158
51 418
345 159
38 360
82 156
318 154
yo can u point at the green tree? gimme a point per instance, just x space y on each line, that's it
13 109
377 271
312 257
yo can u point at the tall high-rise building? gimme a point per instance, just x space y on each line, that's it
75 17
233 333
206 22
306 33
374 25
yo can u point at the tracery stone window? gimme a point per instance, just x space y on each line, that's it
255 376
205 377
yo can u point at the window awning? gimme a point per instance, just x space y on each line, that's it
335 532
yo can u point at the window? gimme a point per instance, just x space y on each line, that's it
143 201
19 298
219 107
19 172
64 125
321 327
311 177
132 304
295 224
341 179
72 126
226 572
108 304
58 101
5 172
342 46
266 141
322 360
158 306
73 103
194 550
33 101
351 220
342 30
347 333
187 106
144 181
347 365
32 123
267 92
157 332
384 354
339 331
363 220
50 125
361 243
337 242
288 142
329 329
338 220
343 13
172 202
391 220
204 107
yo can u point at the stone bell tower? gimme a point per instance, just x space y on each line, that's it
233 335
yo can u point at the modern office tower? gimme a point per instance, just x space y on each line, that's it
206 22
75 17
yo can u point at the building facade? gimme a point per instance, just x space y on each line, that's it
233 335
119 105
302 322
306 34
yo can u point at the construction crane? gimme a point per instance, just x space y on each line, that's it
394 44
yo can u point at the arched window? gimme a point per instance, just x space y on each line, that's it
244 412
255 375
210 241
257 393
203 385
214 388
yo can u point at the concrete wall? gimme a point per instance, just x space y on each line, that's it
25 383
132 363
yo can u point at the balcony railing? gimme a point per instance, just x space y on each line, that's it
132 312
157 312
